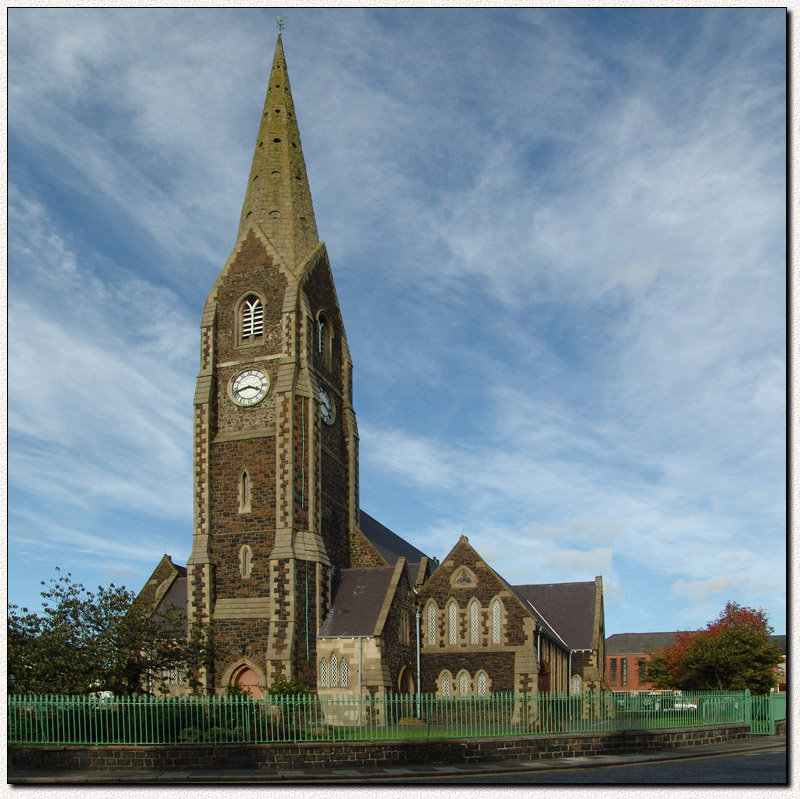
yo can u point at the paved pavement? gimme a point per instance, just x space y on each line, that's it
354 775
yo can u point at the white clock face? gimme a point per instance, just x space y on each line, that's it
249 387
325 406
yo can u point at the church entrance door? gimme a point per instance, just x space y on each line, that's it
247 680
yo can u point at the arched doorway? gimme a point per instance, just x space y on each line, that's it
246 680
405 682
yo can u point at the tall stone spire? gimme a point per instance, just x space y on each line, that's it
278 198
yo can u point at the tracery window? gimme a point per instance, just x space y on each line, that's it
432 613
252 318
452 616
474 622
497 622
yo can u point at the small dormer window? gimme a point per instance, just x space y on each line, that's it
252 318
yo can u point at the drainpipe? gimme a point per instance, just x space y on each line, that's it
419 671
569 678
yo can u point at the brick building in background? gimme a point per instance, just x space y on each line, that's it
295 579
627 654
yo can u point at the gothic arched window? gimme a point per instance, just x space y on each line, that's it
463 684
244 492
452 622
334 670
474 622
343 673
245 561
482 683
445 683
324 338
497 622
251 318
323 673
432 613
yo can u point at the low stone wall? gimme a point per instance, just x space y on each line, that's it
273 757
780 727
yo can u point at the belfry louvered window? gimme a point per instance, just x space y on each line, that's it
252 318
432 624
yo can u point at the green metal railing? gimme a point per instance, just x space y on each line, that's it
765 711
195 720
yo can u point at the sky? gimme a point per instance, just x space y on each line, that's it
559 244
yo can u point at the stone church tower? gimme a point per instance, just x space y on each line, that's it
275 438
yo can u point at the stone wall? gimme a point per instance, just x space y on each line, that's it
375 754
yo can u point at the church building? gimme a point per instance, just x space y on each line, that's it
296 581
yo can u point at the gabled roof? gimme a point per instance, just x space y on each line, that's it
544 623
389 545
358 596
568 607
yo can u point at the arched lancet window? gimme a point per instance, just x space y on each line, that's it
432 614
445 683
334 670
245 561
575 687
452 622
244 492
474 622
251 318
343 673
463 684
497 622
324 338
323 673
482 683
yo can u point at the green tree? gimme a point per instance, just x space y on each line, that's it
85 642
733 652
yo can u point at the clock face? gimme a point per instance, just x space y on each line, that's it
325 406
249 387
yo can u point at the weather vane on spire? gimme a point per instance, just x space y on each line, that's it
281 23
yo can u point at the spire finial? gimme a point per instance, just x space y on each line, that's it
281 21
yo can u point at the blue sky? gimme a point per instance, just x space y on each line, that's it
558 240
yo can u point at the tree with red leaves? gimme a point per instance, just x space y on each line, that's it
734 652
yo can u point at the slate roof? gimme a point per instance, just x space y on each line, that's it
389 544
177 595
358 596
638 643
568 607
